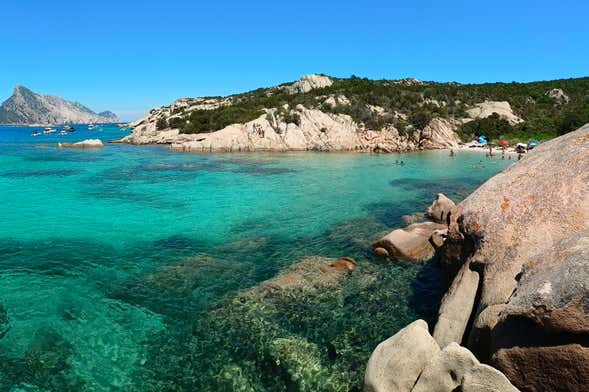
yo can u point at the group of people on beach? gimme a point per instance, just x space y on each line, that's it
259 130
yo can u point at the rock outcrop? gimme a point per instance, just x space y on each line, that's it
315 130
487 108
411 360
558 95
525 232
308 83
27 107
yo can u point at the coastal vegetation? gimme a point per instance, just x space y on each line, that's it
410 103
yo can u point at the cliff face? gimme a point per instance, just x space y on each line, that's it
27 107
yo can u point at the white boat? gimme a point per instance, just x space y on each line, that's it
63 133
48 131
91 127
35 134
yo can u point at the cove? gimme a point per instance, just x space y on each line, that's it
128 268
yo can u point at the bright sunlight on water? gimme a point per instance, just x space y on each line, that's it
119 267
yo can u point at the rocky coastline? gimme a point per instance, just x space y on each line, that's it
514 257
316 131
320 123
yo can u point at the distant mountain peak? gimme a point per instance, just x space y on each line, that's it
28 107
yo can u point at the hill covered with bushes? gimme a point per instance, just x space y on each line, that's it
539 110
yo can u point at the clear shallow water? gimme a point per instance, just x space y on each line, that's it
87 239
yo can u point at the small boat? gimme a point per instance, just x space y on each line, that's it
70 129
91 127
48 131
63 132
35 134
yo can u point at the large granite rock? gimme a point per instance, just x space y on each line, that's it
411 360
397 362
441 208
552 368
87 144
456 307
487 108
308 83
457 369
438 134
410 243
525 232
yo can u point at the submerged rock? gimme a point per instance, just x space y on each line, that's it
4 321
310 274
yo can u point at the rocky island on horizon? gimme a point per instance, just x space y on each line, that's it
26 107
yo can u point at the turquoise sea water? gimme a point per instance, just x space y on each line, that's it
87 240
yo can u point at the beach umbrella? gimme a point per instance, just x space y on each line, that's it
504 143
533 143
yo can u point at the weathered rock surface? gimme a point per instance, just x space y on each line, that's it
525 231
84 144
457 369
558 95
310 274
410 243
396 363
553 368
411 360
439 133
487 108
441 208
457 305
308 83
438 237
316 130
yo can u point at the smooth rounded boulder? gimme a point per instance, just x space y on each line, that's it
397 362
411 243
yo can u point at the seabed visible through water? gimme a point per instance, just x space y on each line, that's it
119 267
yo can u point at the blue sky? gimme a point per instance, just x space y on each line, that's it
129 56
